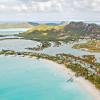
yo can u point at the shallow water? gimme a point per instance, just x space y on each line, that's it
17 44
11 31
9 37
21 44
67 48
28 79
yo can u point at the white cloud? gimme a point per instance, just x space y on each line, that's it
31 6
2 6
50 5
77 9
16 8
44 5
91 5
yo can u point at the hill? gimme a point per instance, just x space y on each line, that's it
43 32
82 28
72 30
47 23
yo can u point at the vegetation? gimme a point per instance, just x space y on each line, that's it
85 66
87 61
45 27
68 61
62 32
83 29
82 71
57 43
49 33
42 46
92 46
3 35
43 32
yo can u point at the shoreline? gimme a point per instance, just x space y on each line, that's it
83 83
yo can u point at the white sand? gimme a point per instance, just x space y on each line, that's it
83 83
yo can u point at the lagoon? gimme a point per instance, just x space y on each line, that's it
67 48
21 44
32 79
17 44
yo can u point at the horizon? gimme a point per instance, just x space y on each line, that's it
57 22
16 21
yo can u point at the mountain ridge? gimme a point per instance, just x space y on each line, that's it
72 29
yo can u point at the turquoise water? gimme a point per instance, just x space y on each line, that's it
28 79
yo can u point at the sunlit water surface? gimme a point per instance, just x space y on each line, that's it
28 79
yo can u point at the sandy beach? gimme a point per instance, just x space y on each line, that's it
83 83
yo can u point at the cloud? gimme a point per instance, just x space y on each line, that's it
2 6
90 5
31 6
74 9
44 5
35 0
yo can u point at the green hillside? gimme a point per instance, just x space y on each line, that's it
43 32
72 30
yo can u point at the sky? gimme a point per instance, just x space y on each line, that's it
49 10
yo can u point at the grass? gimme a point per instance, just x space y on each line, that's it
92 46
